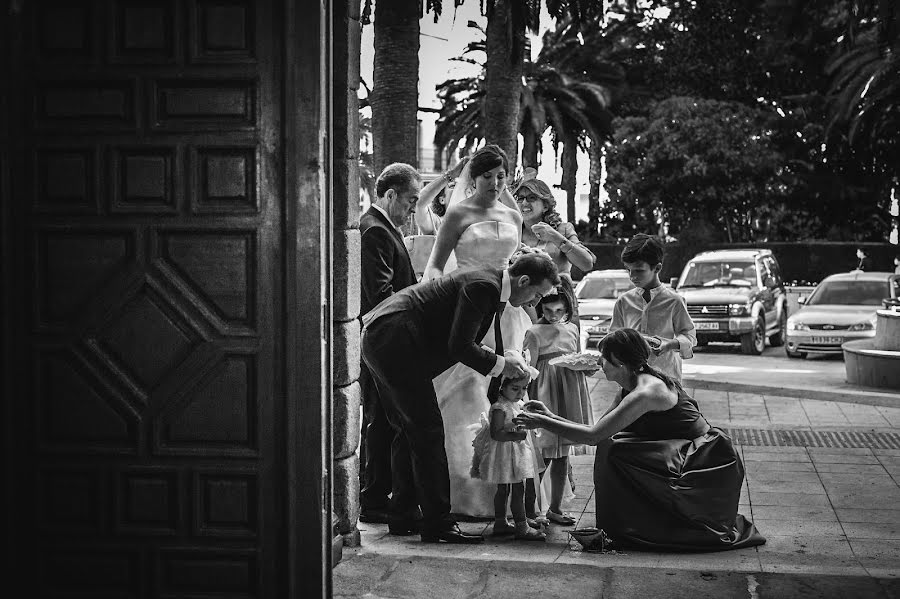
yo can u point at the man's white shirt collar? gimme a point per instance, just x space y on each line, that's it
384 212
505 286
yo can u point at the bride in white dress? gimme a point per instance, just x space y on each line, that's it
480 231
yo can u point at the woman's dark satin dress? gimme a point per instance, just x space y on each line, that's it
671 482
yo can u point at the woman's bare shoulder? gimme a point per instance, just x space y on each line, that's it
656 393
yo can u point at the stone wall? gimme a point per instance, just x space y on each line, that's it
345 407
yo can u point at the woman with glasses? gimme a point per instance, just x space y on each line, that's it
543 228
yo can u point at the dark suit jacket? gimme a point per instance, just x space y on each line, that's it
386 267
448 316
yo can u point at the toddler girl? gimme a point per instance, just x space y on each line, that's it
504 455
562 390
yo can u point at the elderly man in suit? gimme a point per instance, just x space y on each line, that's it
415 335
386 269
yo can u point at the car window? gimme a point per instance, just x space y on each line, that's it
603 288
864 293
775 269
715 274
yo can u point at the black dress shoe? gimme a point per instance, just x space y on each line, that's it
402 527
452 535
372 516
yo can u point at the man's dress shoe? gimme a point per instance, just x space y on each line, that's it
375 516
403 526
452 535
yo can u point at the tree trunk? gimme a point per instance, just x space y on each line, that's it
503 79
596 176
569 171
530 142
395 91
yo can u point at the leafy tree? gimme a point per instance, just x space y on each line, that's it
694 161
771 56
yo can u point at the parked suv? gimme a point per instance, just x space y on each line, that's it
735 295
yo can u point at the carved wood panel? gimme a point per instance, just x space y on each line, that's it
152 222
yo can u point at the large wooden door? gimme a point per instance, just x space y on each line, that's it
144 192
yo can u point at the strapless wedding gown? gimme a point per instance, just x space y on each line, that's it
461 391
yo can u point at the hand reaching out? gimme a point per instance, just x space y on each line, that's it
537 407
528 420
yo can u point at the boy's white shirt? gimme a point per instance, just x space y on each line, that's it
665 316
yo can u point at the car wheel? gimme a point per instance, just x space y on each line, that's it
794 355
777 340
754 342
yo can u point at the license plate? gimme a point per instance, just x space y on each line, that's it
827 340
707 326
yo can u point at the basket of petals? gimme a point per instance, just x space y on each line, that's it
591 539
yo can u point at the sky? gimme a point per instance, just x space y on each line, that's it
446 39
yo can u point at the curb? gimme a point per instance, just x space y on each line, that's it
862 396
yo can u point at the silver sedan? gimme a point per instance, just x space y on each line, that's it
841 308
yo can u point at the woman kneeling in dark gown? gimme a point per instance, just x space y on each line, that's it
664 479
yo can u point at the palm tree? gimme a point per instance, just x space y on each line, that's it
576 109
505 45
395 91
865 89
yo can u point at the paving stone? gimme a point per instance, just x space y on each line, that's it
772 466
855 478
880 553
775 456
795 512
787 499
801 527
892 415
852 496
841 451
815 488
823 467
780 476
739 560
793 553
843 458
868 515
872 530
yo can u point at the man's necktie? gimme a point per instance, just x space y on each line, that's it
646 295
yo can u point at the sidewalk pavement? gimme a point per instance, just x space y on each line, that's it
819 377
825 510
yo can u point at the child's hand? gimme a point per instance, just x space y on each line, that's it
528 420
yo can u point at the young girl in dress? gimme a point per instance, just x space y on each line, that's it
504 455
562 390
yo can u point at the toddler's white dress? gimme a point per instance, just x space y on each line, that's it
502 462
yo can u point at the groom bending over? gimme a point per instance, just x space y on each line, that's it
416 334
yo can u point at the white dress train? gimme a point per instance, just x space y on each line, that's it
461 391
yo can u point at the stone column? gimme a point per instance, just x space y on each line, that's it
345 409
